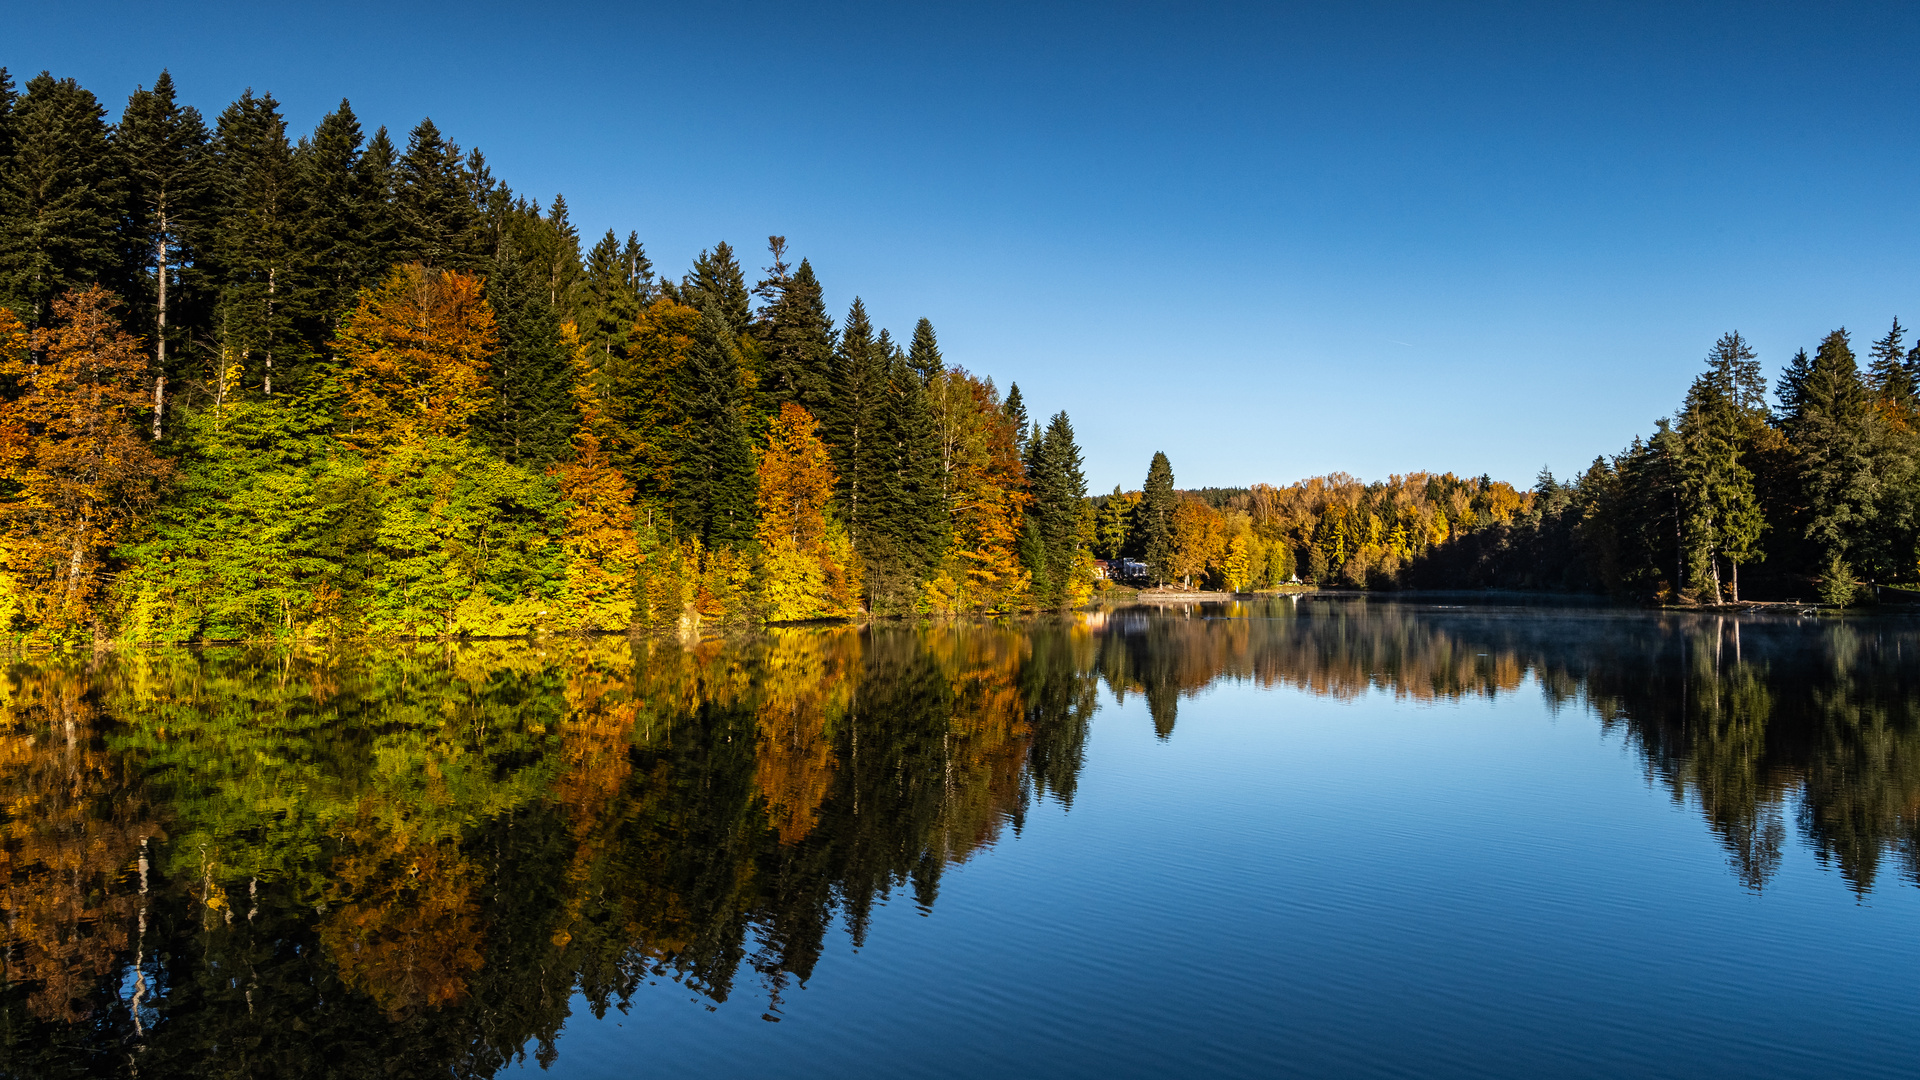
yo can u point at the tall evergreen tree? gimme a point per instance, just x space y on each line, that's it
61 198
253 242
336 252
438 221
1153 518
613 290
714 482
164 146
797 337
1053 538
376 179
531 417
1888 378
1015 408
1831 431
716 279
1723 519
853 421
906 518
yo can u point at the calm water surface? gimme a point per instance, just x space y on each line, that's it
1316 837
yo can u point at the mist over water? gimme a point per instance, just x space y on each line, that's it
1304 836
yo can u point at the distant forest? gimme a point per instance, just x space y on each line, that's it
255 385
1814 500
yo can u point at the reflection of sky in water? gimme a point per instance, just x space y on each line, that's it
1310 837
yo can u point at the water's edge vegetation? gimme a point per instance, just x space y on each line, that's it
258 387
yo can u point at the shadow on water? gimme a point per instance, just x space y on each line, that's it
408 861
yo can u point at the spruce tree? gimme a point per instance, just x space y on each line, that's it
376 177
1015 409
1153 518
797 339
438 221
531 417
906 520
1829 424
334 249
613 290
1887 375
61 198
253 243
852 421
1722 512
713 482
164 147
716 279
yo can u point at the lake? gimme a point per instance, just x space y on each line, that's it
1312 836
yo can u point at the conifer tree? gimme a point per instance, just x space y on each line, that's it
716 279
1830 428
714 482
1153 518
797 337
335 251
1888 377
613 291
376 178
253 244
1723 519
438 222
530 419
853 422
164 146
1016 409
61 198
906 515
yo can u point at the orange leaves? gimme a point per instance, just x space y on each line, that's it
73 441
1198 539
796 480
986 496
415 352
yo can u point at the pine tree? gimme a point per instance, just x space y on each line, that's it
164 147
906 516
1153 518
61 198
559 256
714 481
438 221
253 241
1053 540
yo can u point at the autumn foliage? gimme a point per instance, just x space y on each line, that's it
810 571
414 357
71 447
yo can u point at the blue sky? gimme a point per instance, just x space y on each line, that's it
1270 241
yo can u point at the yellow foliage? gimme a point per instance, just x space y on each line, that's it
415 352
809 569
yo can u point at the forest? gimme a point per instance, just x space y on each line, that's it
255 385
1814 499
259 386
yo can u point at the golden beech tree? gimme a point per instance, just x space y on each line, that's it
987 495
415 353
811 571
73 444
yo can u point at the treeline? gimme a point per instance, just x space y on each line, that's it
1815 497
257 385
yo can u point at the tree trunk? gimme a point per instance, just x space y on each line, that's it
1733 567
160 335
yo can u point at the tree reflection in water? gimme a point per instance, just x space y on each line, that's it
410 859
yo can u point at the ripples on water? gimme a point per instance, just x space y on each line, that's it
431 859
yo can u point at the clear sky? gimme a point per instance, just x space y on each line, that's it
1271 241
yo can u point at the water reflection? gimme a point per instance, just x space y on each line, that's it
408 860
